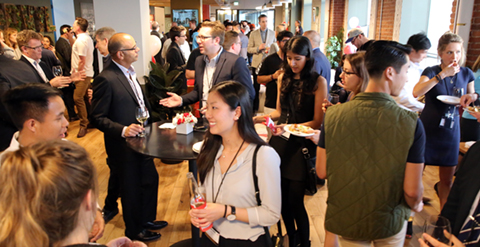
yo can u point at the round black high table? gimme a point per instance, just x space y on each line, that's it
167 144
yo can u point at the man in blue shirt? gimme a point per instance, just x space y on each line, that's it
322 65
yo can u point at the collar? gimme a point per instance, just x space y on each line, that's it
31 60
374 96
314 49
266 29
215 59
65 39
125 71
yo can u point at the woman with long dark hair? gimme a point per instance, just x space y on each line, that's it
225 172
301 92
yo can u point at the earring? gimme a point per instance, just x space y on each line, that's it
235 118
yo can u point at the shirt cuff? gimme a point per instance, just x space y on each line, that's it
253 217
123 131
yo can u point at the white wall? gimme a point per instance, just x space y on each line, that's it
415 15
132 17
63 13
160 18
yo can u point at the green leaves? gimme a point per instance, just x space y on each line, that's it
334 49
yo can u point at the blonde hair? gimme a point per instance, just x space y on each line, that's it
218 30
25 36
448 38
43 187
6 35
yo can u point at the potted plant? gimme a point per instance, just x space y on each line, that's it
157 84
333 49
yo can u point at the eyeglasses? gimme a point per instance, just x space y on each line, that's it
354 38
348 73
34 48
183 36
203 38
130 49
238 43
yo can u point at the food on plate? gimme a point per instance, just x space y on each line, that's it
300 129
473 108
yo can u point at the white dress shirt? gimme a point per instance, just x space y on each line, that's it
405 99
37 67
210 66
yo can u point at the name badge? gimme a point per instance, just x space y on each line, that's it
213 235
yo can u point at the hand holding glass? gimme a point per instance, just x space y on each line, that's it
142 115
57 70
439 228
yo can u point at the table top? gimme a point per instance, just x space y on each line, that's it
166 143
463 148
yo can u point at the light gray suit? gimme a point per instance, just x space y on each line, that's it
255 41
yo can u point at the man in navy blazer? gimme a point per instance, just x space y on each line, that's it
322 65
214 66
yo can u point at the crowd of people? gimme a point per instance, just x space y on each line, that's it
371 146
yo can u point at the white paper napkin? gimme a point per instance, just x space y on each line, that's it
167 126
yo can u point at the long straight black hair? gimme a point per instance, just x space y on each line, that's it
308 76
234 94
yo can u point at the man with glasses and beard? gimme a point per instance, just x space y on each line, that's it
214 66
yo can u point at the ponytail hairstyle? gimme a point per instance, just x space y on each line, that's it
43 187
235 95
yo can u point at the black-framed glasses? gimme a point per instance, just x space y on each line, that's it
354 38
130 49
203 38
34 48
349 73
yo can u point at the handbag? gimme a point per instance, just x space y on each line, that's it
277 239
310 162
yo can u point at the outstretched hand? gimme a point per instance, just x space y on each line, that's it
173 101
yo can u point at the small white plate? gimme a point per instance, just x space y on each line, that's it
449 100
470 111
197 147
295 133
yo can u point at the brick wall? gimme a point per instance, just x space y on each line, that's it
336 18
385 19
474 41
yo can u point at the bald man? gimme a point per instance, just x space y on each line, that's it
322 65
116 95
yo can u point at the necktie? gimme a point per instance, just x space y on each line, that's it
135 91
470 233
40 71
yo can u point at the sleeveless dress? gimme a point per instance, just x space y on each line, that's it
442 145
293 164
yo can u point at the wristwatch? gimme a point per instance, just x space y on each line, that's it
232 216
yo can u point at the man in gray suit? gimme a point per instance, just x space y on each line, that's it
259 45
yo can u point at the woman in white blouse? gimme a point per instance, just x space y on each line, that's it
225 173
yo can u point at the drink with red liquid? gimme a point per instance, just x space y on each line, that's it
197 200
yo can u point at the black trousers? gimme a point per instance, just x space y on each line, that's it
256 86
294 212
224 242
68 99
113 191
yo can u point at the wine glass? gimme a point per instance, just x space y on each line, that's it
334 98
57 70
142 115
436 226
457 92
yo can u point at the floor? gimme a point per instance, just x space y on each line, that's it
173 197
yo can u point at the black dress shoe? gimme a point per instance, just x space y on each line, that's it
146 235
108 215
155 225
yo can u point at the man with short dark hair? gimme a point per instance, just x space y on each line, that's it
174 54
193 25
372 153
37 110
259 45
270 71
420 45
82 59
232 42
358 39
322 65
243 39
214 66
102 36
228 26
116 95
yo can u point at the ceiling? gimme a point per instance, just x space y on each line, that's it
166 3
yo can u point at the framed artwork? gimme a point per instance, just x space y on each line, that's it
183 16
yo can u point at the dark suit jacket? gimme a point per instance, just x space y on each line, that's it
48 72
50 59
229 67
64 54
322 65
177 62
12 73
464 189
155 33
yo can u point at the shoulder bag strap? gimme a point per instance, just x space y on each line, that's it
257 191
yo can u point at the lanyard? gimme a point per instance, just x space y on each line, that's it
215 196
